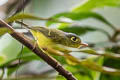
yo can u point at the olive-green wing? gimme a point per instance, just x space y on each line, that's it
55 35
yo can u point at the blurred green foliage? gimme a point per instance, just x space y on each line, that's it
10 52
92 4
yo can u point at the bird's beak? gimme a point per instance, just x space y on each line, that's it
83 45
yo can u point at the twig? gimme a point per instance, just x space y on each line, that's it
28 43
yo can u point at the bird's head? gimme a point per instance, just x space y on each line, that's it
72 40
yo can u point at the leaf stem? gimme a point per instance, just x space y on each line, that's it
116 33
105 32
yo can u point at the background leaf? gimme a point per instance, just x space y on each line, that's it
79 30
23 16
10 49
4 30
92 4
79 16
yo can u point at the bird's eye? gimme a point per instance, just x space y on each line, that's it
74 39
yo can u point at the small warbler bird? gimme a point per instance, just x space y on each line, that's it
54 41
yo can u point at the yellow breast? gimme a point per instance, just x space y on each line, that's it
42 40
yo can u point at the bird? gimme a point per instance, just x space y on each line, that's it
54 41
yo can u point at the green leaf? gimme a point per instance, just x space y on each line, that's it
79 30
114 63
80 72
11 70
2 58
79 16
89 51
23 16
107 77
4 30
111 63
48 23
92 4
60 59
59 77
76 16
107 70
101 53
10 49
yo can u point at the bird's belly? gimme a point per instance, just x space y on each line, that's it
43 41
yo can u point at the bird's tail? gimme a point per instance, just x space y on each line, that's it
71 59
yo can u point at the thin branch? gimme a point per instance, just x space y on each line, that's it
28 43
